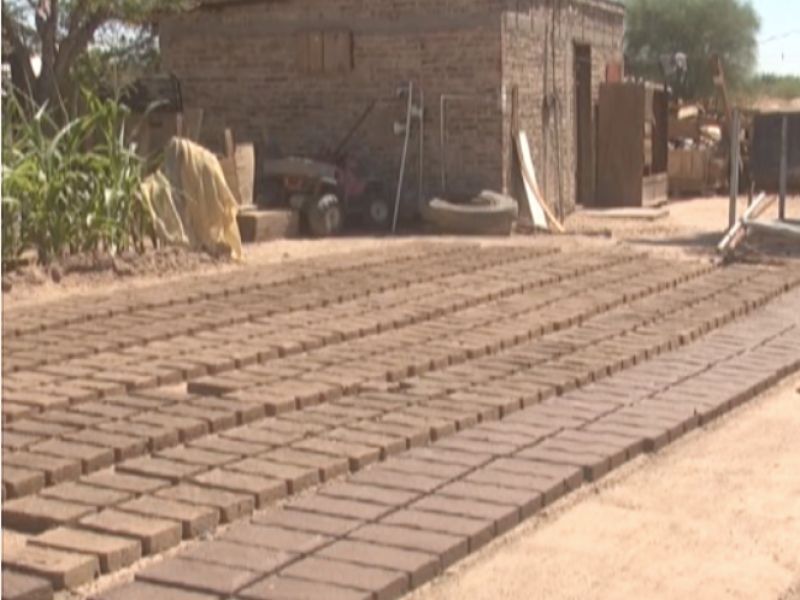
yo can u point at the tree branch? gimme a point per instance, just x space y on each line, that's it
76 42
11 31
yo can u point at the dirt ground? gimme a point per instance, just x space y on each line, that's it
717 516
691 229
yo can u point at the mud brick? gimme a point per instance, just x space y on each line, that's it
448 548
155 535
493 404
261 435
439 428
158 438
550 416
395 480
655 436
113 553
503 517
188 428
265 491
329 466
358 456
18 586
218 420
551 488
147 591
232 506
318 417
40 400
420 567
619 448
161 468
195 456
21 482
297 478
383 584
81 493
17 441
245 412
225 445
194 520
449 457
202 577
71 418
414 436
129 379
132 484
339 507
36 514
219 385
526 500
276 538
473 445
56 470
136 402
309 522
62 569
410 466
286 588
125 447
350 490
39 428
476 532
13 412
594 464
239 556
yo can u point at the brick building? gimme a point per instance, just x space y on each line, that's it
294 75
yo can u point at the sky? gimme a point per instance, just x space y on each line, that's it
779 40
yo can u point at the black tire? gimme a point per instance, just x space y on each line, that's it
325 216
378 214
487 214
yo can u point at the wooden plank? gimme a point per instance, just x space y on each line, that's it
316 53
620 143
302 52
530 182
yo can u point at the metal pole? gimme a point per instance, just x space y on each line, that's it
784 167
735 139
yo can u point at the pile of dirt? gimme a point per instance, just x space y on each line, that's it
102 267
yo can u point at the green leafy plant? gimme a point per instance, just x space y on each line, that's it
71 188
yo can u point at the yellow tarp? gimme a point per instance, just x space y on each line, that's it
191 203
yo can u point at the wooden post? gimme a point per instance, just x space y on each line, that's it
734 166
784 175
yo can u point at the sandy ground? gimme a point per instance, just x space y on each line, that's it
716 516
691 230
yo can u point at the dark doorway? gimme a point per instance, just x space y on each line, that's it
584 172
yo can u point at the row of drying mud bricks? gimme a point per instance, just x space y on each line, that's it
316 285
321 334
227 506
22 476
117 442
391 528
21 321
181 356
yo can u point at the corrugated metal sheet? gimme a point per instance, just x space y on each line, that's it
765 152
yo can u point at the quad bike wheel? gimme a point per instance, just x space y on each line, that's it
378 214
325 216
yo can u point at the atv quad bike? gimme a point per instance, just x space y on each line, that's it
326 195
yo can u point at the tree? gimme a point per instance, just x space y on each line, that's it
61 32
699 29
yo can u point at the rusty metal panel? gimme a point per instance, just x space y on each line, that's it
765 150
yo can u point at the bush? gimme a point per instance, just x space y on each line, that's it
71 188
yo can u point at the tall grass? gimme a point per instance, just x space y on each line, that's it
69 188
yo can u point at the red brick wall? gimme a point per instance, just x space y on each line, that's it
240 65
527 53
